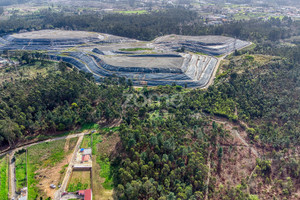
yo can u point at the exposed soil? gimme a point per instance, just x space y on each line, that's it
99 192
67 144
239 163
50 176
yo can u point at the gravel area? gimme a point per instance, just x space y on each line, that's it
152 63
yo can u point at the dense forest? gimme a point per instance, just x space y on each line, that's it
58 102
165 149
151 25
167 146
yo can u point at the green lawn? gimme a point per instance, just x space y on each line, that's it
41 156
4 178
21 170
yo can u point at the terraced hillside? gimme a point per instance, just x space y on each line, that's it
154 63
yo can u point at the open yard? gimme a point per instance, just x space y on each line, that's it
104 144
80 180
4 178
21 170
46 165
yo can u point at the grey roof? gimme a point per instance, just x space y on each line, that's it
87 151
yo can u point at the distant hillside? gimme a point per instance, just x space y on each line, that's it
11 2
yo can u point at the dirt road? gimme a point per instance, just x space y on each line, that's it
12 176
69 170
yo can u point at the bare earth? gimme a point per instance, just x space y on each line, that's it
50 176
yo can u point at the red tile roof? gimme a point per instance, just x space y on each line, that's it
86 193
85 158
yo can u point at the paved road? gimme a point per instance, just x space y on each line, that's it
69 171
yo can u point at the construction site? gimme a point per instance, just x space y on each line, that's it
188 61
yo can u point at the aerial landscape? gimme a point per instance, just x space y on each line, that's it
149 99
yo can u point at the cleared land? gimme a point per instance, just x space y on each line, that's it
46 165
146 62
57 34
4 178
152 63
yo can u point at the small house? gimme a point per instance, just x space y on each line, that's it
87 151
85 158
87 194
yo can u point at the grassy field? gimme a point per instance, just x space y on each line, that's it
21 170
80 180
104 144
46 155
97 138
4 178
86 142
